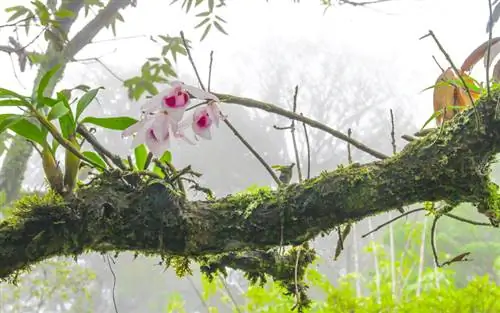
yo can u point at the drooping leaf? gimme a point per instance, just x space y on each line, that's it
115 123
28 130
57 111
6 120
12 103
85 100
6 93
91 155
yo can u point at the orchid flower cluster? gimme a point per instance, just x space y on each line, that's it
162 115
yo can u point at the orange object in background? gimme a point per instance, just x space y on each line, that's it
454 95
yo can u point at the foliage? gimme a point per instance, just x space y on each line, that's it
479 295
56 286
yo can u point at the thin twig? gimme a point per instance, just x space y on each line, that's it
229 293
433 240
252 150
308 151
362 3
296 277
349 156
437 63
149 157
15 24
394 148
186 46
392 220
15 72
292 130
268 107
455 69
226 121
108 258
210 70
99 148
467 220
34 39
130 162
393 138
198 293
488 53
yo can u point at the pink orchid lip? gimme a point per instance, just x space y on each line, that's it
204 121
173 101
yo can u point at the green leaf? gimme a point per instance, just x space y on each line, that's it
11 103
28 130
210 5
63 13
433 116
165 158
85 100
116 123
202 22
43 12
9 93
19 11
205 33
57 111
67 122
6 120
44 83
220 28
91 155
141 154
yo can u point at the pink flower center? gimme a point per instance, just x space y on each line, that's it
204 121
178 99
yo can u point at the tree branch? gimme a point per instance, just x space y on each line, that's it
109 214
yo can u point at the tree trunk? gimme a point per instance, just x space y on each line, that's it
19 153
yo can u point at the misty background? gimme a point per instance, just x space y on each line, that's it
352 65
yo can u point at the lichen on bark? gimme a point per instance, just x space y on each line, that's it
451 164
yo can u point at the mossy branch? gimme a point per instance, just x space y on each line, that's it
451 165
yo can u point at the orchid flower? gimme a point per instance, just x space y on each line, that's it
175 100
214 112
154 131
202 121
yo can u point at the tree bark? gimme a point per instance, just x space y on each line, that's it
452 165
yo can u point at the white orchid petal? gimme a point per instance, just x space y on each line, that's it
176 114
214 113
199 93
139 139
132 129
205 133
155 147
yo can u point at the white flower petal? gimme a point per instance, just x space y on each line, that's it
176 114
199 93
205 133
134 128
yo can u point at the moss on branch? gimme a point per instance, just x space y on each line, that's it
109 214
